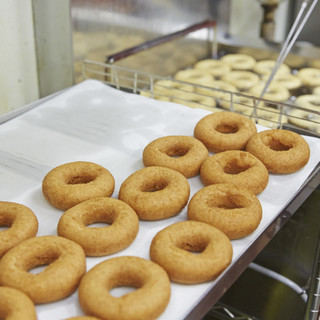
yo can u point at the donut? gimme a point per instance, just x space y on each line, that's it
239 61
148 301
168 89
265 67
236 167
193 76
74 182
224 130
308 101
65 262
100 241
242 80
155 192
241 104
216 68
269 116
275 92
288 80
181 153
174 249
281 151
16 305
316 91
22 224
235 211
310 77
217 89
304 119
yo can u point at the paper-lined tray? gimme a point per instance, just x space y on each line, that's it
93 122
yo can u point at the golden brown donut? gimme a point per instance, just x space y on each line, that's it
216 68
100 241
181 153
22 224
242 80
236 167
148 301
224 130
65 262
281 151
173 248
233 210
239 61
16 305
74 182
155 193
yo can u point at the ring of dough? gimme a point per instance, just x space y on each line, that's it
181 153
74 182
22 224
242 80
66 264
155 193
174 249
224 130
148 301
193 76
309 101
233 210
100 241
281 151
310 76
239 61
236 167
216 68
275 92
16 305
264 67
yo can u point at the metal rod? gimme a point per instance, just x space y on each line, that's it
160 40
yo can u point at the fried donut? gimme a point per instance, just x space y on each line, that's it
173 248
22 224
216 68
281 151
239 61
237 167
124 225
224 130
66 265
155 192
310 77
148 301
181 153
242 80
16 305
74 182
233 210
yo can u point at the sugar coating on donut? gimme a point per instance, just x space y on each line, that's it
191 251
65 262
22 224
236 167
233 210
281 151
16 305
147 302
122 228
74 182
155 192
224 130
181 153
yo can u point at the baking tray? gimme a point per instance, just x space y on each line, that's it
94 122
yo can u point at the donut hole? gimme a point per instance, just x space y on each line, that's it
227 202
81 179
177 151
118 292
41 261
154 186
4 228
227 128
125 283
196 245
235 167
277 145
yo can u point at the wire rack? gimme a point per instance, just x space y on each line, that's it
268 113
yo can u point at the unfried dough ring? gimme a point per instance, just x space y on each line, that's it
242 80
66 265
22 223
181 153
233 210
173 247
147 302
239 61
16 305
224 130
281 151
236 167
123 228
155 193
74 182
216 68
